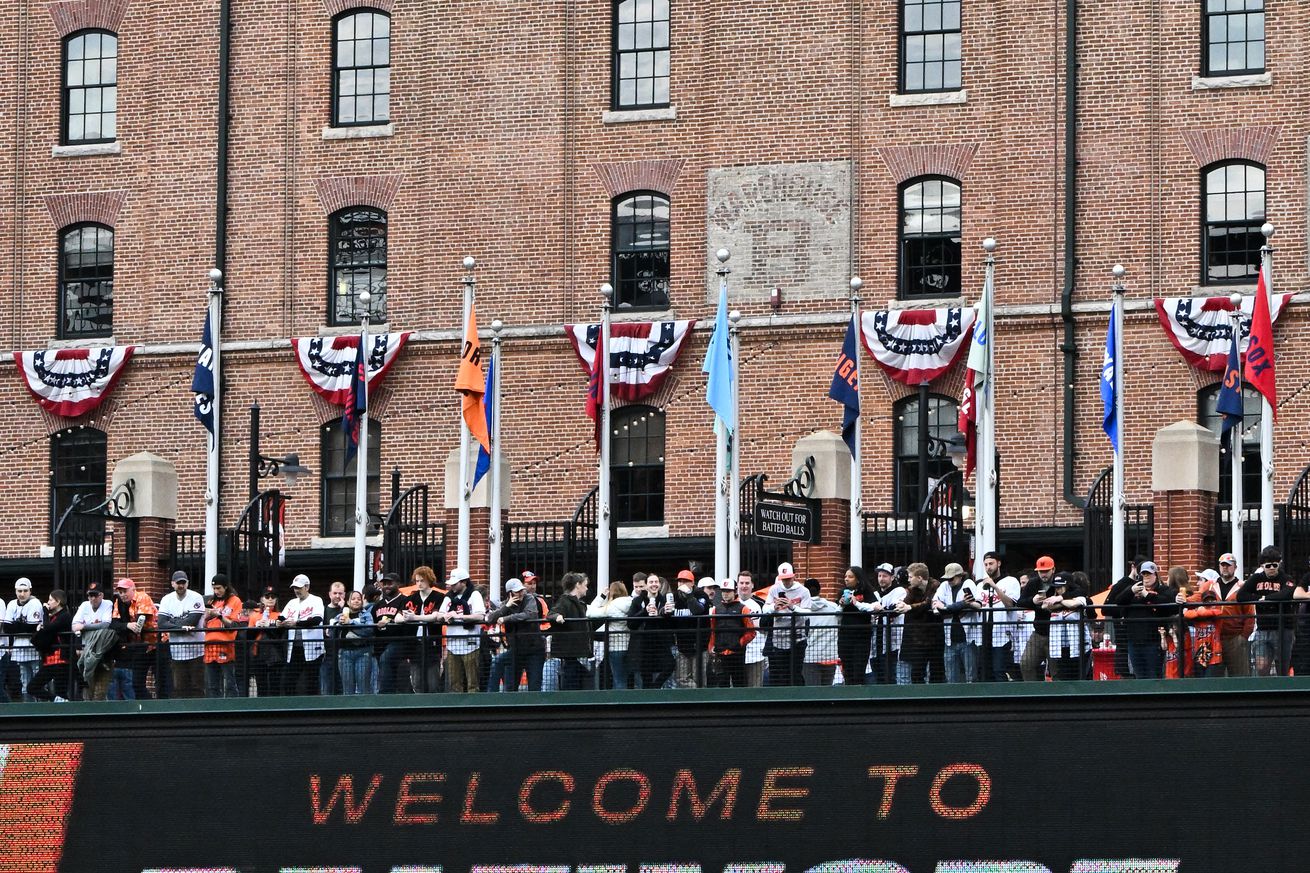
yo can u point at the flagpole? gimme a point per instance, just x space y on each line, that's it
361 454
1118 558
721 455
493 475
603 422
985 522
1267 410
857 480
212 458
462 549
1236 506
734 467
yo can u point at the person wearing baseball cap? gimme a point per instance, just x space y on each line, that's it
179 613
731 630
787 597
136 610
303 619
1033 659
94 615
958 601
1236 626
1146 606
21 618
462 611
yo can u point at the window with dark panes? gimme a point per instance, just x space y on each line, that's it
930 45
338 481
1233 203
86 282
357 261
641 251
77 470
930 238
942 426
1233 37
361 69
641 54
1210 417
90 92
637 464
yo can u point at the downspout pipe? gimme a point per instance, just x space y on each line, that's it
1069 347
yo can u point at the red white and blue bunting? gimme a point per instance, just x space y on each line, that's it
641 353
1200 329
326 362
72 382
917 345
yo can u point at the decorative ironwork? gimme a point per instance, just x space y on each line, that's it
802 483
760 555
255 544
943 536
410 538
888 537
1098 517
1293 527
552 548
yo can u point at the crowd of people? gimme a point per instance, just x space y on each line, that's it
896 625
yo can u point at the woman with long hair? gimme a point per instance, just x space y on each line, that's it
613 605
855 629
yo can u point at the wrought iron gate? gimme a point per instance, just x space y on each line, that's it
760 555
943 536
410 538
1294 527
256 544
1098 518
552 548
84 551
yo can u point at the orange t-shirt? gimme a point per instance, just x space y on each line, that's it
220 645
255 617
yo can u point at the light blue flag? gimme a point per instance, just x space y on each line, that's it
719 366
1108 387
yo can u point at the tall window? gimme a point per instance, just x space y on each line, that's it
1209 417
1234 208
357 261
1233 37
930 45
338 480
86 281
90 91
930 238
641 54
361 69
637 465
942 420
641 250
77 469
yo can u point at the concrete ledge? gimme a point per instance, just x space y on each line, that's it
352 329
1212 83
86 151
88 343
643 532
364 131
623 116
342 542
929 98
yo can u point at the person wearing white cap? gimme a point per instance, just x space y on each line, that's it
303 619
1236 626
21 618
462 611
731 630
520 619
788 601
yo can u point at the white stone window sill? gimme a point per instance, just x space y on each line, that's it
1221 290
342 542
352 329
1212 83
930 98
643 314
369 131
622 116
86 151
929 303
644 532
85 343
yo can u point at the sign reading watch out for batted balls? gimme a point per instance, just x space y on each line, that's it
794 521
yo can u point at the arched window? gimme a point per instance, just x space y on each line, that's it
640 239
1209 417
930 238
1233 37
86 281
338 480
357 261
361 68
90 88
930 45
637 465
1233 209
641 54
77 469
942 420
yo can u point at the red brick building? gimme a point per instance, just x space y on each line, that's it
561 145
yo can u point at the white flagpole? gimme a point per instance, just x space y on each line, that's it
493 475
857 477
603 414
1266 410
734 467
215 315
985 521
1118 558
361 458
721 457
462 549
1235 438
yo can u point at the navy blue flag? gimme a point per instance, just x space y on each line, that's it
489 397
1229 403
1109 386
845 388
202 383
358 401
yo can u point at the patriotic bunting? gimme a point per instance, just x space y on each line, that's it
72 382
641 354
327 362
917 345
1199 327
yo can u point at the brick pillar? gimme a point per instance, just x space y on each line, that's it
154 514
827 559
1184 486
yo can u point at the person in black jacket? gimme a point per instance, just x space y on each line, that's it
1146 607
855 629
649 617
1270 589
54 641
690 630
520 620
571 639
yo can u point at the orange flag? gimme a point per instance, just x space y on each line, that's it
472 382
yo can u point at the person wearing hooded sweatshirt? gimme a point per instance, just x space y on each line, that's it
820 665
1201 612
